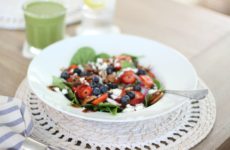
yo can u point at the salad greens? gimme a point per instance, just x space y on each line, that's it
102 55
127 64
158 84
95 85
61 84
83 56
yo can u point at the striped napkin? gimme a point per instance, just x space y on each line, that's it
15 123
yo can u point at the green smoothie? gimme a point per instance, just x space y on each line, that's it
44 23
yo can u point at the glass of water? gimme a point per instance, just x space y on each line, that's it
97 17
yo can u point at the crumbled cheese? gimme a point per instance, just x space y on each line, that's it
56 89
83 81
92 64
102 66
129 108
127 69
117 64
64 91
116 93
80 67
113 102
139 107
152 91
99 60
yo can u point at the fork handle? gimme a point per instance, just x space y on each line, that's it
192 94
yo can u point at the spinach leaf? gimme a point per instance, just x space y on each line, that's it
83 56
106 104
127 64
102 55
134 58
72 96
103 107
60 83
114 110
158 84
108 107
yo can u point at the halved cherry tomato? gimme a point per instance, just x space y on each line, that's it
146 80
71 68
70 79
100 99
139 98
84 91
139 95
128 77
135 101
75 89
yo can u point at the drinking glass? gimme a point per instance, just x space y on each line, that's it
44 20
97 17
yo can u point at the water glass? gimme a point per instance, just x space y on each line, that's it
97 17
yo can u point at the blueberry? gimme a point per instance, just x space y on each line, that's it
130 94
94 85
85 74
137 87
77 70
65 75
141 72
96 91
104 88
95 79
112 85
110 70
125 99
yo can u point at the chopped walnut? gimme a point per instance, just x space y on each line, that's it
156 96
88 99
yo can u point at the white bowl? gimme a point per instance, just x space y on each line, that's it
170 67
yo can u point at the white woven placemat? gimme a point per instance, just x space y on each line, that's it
11 14
181 129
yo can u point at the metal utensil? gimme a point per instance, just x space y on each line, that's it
192 94
31 144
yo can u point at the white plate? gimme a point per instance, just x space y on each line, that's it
170 67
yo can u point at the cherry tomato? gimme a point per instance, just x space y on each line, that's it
71 68
135 101
84 91
128 77
75 89
100 99
139 98
146 80
139 95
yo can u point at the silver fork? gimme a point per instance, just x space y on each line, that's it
192 94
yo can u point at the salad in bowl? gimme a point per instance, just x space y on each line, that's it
126 80
105 83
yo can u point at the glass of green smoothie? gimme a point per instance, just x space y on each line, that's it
45 23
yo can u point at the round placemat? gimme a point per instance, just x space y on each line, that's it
11 14
181 129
